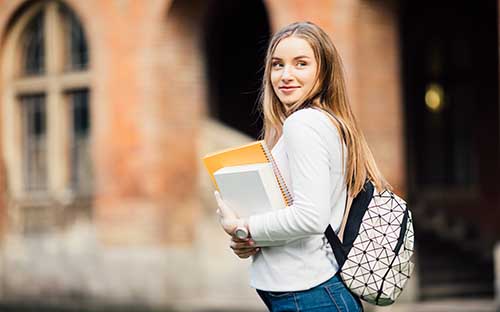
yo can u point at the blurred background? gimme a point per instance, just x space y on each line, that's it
107 106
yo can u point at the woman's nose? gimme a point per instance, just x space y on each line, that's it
286 75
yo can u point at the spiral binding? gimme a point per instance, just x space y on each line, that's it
287 196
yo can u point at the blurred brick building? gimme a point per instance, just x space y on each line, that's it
108 105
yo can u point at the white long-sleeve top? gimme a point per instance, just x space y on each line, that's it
309 156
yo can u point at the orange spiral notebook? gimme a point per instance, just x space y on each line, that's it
252 153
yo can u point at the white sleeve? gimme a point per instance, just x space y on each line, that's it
308 159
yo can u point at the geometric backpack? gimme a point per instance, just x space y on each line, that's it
376 247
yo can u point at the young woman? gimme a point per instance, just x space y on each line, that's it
322 155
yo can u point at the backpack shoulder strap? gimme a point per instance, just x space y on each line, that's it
334 240
348 201
348 204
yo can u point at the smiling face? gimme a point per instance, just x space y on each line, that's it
293 70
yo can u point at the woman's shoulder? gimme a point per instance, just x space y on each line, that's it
309 123
309 117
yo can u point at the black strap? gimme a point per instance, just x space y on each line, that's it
333 239
337 248
358 207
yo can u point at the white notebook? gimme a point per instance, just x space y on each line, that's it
250 189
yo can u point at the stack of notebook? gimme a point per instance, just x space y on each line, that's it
248 179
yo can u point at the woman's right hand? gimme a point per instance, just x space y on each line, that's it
243 248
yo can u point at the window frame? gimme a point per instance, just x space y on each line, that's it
54 82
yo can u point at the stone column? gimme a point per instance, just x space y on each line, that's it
147 122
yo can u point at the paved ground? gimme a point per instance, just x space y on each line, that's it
478 305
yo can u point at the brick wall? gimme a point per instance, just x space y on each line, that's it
148 108
366 35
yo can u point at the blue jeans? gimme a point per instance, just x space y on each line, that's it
330 296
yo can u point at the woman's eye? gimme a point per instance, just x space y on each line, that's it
277 65
301 64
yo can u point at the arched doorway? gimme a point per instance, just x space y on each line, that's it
450 77
235 38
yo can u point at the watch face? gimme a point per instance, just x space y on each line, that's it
241 233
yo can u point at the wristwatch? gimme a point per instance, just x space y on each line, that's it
241 232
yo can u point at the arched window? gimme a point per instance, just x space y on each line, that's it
45 107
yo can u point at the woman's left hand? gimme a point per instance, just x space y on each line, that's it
243 248
229 220
227 217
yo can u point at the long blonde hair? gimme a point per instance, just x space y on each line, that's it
329 94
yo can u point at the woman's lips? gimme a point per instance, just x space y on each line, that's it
287 90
